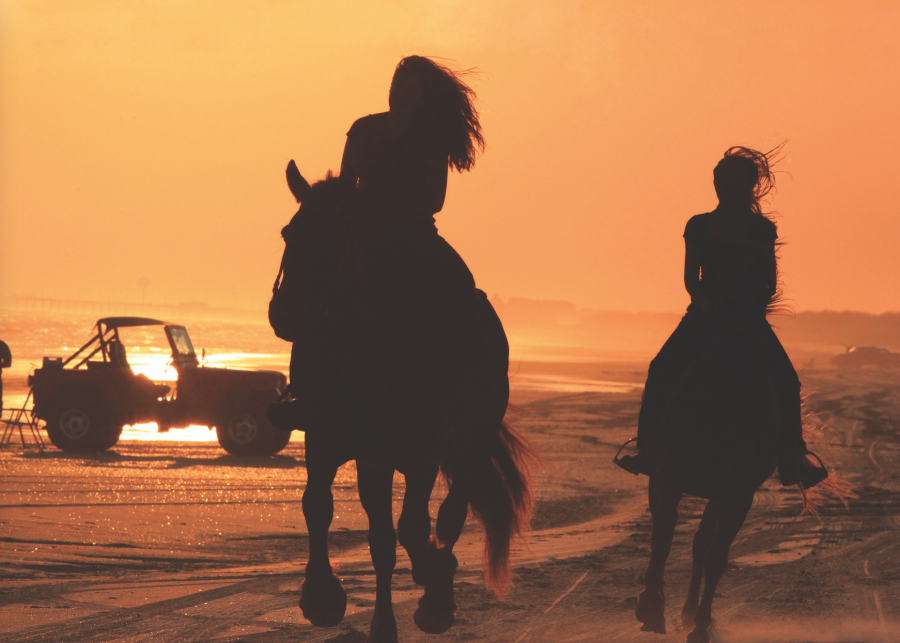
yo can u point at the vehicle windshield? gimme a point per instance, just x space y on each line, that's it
181 342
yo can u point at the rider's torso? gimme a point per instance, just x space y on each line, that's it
402 176
735 258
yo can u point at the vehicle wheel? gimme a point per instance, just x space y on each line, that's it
81 430
248 432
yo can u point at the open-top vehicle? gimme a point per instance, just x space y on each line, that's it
88 398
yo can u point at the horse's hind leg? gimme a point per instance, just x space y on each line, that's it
375 492
651 605
414 524
732 513
431 567
702 541
322 599
452 515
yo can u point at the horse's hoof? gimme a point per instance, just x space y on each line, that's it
698 635
384 626
322 600
437 611
433 565
650 611
688 612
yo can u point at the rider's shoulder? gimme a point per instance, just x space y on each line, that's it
696 225
369 124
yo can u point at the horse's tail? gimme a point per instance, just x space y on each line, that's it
500 497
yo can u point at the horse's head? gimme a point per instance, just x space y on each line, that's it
319 205
311 254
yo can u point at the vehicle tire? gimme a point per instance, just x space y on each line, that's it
80 429
248 432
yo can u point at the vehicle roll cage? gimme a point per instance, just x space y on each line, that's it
108 331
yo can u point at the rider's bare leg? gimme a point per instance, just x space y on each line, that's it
732 514
702 541
322 599
375 494
664 500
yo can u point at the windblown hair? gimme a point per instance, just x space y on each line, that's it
747 175
447 109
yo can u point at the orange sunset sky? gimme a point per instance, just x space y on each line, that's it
150 139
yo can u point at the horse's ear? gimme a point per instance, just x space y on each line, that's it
298 185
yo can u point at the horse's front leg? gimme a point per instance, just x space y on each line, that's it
702 541
732 514
322 599
651 605
375 494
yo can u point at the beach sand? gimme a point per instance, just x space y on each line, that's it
169 541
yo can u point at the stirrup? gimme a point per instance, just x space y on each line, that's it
283 413
811 476
630 463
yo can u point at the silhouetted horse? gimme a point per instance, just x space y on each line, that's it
721 444
372 382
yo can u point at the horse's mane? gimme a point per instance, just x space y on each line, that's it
324 186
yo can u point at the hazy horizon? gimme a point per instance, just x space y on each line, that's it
150 140
16 303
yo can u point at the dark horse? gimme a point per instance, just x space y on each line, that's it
371 382
721 444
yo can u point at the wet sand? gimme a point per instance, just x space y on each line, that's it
180 542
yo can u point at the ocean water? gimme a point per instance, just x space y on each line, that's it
242 344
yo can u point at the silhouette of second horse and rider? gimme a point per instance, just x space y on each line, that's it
400 363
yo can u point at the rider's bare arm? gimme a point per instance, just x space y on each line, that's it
349 166
692 272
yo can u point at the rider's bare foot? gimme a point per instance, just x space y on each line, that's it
650 611
632 463
811 475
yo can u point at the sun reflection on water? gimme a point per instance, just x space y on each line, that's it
158 367
149 432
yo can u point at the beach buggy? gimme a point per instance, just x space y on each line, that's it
87 399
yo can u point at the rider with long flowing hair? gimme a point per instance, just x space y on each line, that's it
731 274
397 163
402 295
